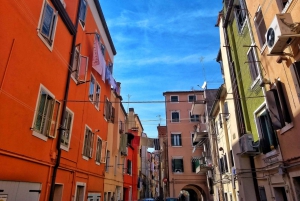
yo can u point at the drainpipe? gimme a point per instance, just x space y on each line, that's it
56 166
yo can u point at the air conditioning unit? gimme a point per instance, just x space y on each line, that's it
279 34
178 170
246 143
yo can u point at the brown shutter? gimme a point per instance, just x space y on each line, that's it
261 28
295 71
282 100
274 109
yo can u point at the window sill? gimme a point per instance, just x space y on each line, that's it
41 136
97 163
176 146
64 148
50 47
286 128
85 158
177 172
255 82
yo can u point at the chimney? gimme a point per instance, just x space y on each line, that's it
131 109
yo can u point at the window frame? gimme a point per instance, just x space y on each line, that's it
129 170
194 99
90 146
98 150
174 96
92 81
260 35
66 148
79 65
173 166
82 22
253 66
172 120
193 118
173 144
48 40
37 132
283 8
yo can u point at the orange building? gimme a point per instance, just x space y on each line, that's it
56 78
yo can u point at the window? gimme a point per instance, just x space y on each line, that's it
194 165
225 197
47 24
176 139
92 88
124 166
192 98
260 26
175 116
116 165
46 115
88 143
103 152
98 150
174 99
240 15
82 13
194 118
223 167
262 193
79 68
295 71
283 4
177 165
129 166
97 96
109 111
277 105
79 193
268 140
107 160
67 126
58 191
252 64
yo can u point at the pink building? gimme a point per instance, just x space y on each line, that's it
182 156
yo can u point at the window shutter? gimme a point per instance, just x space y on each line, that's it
225 163
274 109
180 143
181 162
112 118
252 64
83 68
193 165
220 120
295 71
103 151
53 130
91 144
261 28
104 106
265 139
282 100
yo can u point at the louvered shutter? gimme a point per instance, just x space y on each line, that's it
54 119
103 151
225 163
274 109
83 68
104 107
295 71
282 100
172 139
112 118
261 28
173 165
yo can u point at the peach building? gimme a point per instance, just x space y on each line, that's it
182 155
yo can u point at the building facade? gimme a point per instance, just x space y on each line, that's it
181 158
58 147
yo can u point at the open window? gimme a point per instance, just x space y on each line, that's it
240 14
46 116
260 27
82 12
88 143
80 65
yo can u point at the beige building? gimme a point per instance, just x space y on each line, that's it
113 182
180 123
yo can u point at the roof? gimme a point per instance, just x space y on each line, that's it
177 92
98 7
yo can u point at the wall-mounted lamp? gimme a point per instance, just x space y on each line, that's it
221 149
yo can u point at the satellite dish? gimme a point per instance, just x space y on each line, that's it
270 37
204 85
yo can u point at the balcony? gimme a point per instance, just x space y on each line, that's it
198 107
202 164
199 136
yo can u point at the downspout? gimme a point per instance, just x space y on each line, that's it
56 166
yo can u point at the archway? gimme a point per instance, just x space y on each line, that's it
195 193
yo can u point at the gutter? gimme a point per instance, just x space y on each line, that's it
64 106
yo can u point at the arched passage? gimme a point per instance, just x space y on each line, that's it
196 193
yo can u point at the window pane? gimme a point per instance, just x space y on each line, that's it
97 96
82 12
174 98
175 116
47 21
92 88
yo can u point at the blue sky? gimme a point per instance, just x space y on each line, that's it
159 44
